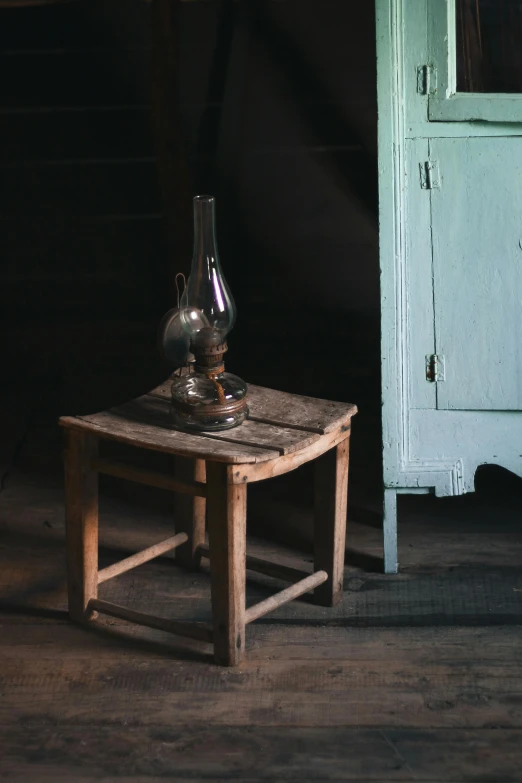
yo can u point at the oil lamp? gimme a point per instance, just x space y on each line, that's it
207 398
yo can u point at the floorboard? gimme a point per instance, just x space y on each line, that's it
413 677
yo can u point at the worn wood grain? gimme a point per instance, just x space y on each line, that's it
31 645
470 595
261 566
307 414
198 753
251 433
331 497
190 630
81 519
144 556
254 433
190 512
125 430
150 478
427 661
292 410
284 464
142 669
226 514
258 433
284 596
440 705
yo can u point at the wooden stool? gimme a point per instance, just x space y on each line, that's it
283 432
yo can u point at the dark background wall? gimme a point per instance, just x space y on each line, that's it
278 102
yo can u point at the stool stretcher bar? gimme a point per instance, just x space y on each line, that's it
149 477
202 633
268 605
260 566
141 557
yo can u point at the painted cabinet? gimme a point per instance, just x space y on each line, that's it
450 183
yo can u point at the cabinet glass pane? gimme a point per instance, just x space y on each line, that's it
489 46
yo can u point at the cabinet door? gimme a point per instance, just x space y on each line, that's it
476 60
477 268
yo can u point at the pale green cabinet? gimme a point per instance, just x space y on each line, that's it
450 183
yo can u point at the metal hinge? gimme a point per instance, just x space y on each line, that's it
429 174
434 368
426 79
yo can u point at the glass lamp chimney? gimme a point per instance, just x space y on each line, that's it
209 398
207 301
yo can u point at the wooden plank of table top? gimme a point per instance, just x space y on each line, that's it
163 390
250 433
255 433
291 411
153 410
114 426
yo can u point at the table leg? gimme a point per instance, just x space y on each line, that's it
227 542
391 564
190 513
81 522
331 497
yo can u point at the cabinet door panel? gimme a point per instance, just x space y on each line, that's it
477 266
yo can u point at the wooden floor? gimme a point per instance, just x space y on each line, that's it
415 677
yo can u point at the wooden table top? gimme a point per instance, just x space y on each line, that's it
278 424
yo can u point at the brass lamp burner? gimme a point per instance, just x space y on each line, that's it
209 398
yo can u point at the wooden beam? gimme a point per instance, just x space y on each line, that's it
149 477
190 630
141 557
263 607
262 566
